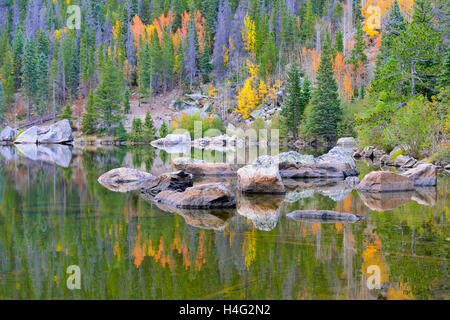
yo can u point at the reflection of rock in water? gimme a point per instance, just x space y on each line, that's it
8 153
426 196
324 215
58 154
263 210
381 201
216 219
335 189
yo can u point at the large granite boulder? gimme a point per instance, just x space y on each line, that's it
260 179
385 181
337 163
60 132
29 136
203 168
264 211
173 139
324 215
176 181
424 174
124 179
404 161
205 196
8 135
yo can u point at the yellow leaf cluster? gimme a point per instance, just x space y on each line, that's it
249 35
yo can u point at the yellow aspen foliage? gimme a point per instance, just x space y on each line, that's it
262 91
249 35
212 92
247 99
115 29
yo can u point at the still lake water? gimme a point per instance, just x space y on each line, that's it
53 216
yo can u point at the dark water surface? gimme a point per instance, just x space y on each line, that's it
54 214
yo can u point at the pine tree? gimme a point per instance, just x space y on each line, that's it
2 103
126 101
339 44
18 46
306 91
326 111
108 97
149 128
89 120
293 106
137 132
205 64
445 73
67 113
423 11
163 131
29 72
121 133
358 55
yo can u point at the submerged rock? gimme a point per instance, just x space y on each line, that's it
385 181
203 168
206 196
426 196
424 174
264 211
57 133
124 179
176 181
260 179
325 215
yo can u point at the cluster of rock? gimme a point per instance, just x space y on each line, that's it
175 189
387 181
180 142
58 133
382 158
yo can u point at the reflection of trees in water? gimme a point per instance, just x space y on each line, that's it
128 248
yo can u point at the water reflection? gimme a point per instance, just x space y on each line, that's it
58 154
127 248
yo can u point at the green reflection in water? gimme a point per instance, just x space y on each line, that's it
128 248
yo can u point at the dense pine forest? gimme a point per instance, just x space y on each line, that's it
321 69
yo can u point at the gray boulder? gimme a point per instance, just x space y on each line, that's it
260 179
405 161
60 132
176 181
385 181
424 174
29 136
124 179
205 196
346 142
173 139
8 134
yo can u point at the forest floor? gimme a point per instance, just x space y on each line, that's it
158 107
